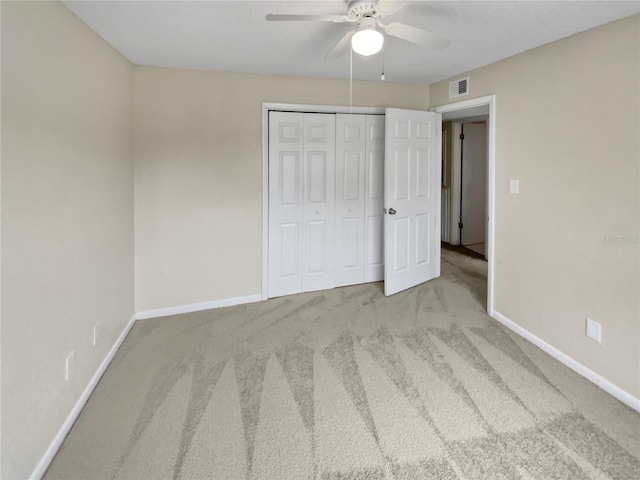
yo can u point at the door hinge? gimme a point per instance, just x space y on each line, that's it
462 136
460 225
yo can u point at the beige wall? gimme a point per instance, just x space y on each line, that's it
566 248
67 218
198 175
567 127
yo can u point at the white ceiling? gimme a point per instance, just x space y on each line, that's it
233 35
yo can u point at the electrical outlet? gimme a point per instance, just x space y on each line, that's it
594 330
95 333
514 187
68 363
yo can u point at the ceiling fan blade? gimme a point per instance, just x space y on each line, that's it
389 7
280 17
422 38
342 47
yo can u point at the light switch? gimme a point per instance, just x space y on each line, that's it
594 330
514 187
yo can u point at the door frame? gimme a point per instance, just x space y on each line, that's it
289 107
470 106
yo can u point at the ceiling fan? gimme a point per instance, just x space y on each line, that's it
366 39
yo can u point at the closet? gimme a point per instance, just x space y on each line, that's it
351 198
325 201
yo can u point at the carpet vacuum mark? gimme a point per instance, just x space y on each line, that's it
347 384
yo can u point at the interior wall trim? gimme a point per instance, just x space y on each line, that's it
57 441
197 307
617 392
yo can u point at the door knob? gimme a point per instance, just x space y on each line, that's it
392 211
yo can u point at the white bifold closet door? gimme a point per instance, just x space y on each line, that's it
331 177
301 202
359 199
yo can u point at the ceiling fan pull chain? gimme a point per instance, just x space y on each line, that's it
350 82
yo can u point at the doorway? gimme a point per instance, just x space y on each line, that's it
472 184
461 113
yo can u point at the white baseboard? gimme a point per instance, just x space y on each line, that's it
46 459
196 307
622 395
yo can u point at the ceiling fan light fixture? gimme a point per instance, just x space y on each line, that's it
367 40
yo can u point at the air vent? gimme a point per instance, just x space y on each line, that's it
459 87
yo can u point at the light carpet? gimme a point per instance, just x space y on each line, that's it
347 384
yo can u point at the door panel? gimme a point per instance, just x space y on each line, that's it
401 239
375 175
350 246
316 128
317 247
423 242
352 176
290 236
289 185
318 202
350 201
374 250
423 167
374 199
317 177
285 203
401 173
412 193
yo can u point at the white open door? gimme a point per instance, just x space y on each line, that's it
474 184
412 198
